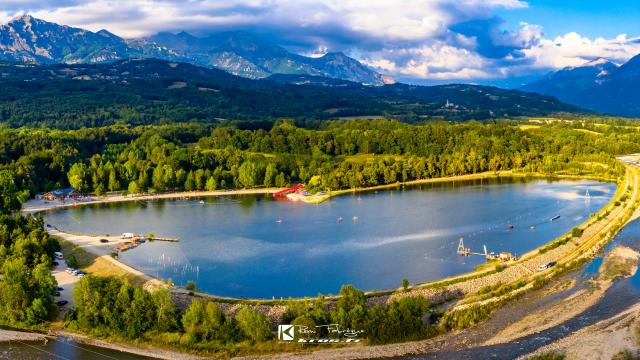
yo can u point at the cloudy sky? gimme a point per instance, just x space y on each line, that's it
424 41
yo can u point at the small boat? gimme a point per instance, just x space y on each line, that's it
201 202
510 226
532 227
354 218
279 221
555 217
340 219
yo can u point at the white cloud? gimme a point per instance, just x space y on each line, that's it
572 49
405 38
437 61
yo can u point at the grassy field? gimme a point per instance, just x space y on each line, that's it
96 265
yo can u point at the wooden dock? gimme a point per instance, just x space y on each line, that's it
161 238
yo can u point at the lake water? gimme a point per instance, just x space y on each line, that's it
60 349
255 246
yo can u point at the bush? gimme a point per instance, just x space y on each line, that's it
548 356
576 232
405 284
191 285
461 319
254 326
72 262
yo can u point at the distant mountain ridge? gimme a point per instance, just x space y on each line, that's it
598 85
27 39
152 91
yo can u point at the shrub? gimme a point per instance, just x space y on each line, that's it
72 261
405 284
254 326
191 285
461 319
576 232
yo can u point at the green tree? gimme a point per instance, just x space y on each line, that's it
211 184
114 184
165 313
248 174
254 326
270 175
77 176
133 188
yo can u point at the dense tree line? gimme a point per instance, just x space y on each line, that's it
342 155
26 284
110 306
398 320
336 155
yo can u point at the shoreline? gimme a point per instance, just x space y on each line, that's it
33 206
314 199
7 335
136 349
565 252
91 243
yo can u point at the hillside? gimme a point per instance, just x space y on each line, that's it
148 91
598 85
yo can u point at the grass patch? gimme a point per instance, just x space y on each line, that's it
95 265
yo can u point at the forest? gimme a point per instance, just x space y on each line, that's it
328 155
141 92
338 155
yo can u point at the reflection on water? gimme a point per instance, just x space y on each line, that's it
255 246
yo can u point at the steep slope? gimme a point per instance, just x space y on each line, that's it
27 39
600 86
569 84
243 54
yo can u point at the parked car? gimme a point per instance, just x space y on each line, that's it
81 275
55 263
75 272
104 240
69 270
59 288
62 302
546 266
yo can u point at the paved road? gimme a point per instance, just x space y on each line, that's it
67 282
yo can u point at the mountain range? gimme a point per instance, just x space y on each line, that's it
152 91
28 39
599 85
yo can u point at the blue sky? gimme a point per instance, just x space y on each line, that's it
587 17
504 42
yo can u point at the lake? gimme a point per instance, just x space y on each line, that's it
255 246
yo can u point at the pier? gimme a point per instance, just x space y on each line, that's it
503 256
161 238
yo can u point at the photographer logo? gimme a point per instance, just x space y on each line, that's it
285 332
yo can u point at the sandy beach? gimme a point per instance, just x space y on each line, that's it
38 205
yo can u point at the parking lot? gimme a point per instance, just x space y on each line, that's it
67 282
